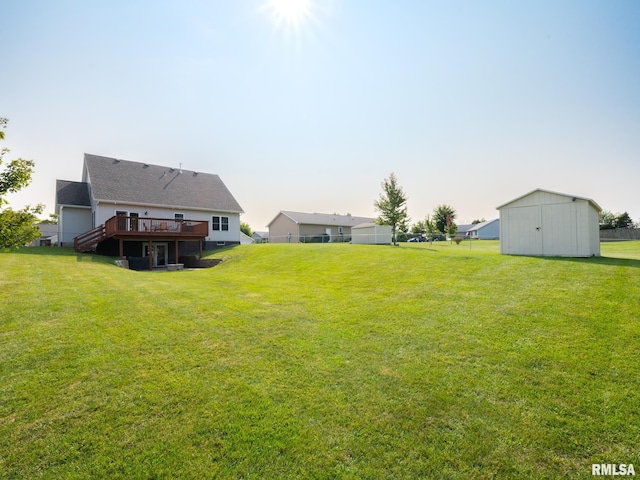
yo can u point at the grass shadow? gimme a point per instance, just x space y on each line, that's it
612 261
62 252
48 251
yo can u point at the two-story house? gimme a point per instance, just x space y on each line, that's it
133 209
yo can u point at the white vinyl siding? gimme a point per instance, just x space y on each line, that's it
550 224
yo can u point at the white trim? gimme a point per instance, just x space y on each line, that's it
166 207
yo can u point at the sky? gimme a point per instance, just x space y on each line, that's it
470 103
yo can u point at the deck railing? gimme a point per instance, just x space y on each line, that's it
155 227
89 240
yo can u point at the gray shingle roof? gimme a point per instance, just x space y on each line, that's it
326 219
142 183
464 228
72 193
480 225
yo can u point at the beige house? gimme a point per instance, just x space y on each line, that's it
299 227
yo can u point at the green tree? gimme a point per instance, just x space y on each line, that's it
17 227
607 220
246 229
624 221
418 227
443 217
392 206
430 226
52 220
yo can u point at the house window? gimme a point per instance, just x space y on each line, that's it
179 216
220 223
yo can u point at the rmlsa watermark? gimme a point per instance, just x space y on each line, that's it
617 469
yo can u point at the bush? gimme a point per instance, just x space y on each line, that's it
457 240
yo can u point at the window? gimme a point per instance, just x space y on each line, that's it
179 216
220 223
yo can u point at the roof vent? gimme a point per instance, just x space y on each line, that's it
180 168
146 165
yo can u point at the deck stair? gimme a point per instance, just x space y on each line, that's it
89 240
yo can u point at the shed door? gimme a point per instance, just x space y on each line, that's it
522 234
560 229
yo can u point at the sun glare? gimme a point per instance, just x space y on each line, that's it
289 12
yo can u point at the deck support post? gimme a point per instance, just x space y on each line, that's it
150 255
177 258
200 248
121 248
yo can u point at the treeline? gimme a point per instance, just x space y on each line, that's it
610 221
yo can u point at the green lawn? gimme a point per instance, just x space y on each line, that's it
321 361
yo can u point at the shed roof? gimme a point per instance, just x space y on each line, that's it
142 183
323 219
591 201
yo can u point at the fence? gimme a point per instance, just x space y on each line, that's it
616 234
360 238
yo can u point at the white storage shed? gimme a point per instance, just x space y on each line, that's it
548 223
371 233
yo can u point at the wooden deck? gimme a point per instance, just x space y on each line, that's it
128 228
155 228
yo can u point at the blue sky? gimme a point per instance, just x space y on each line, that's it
470 103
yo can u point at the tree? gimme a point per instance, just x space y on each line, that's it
17 227
609 221
52 220
392 205
430 226
246 229
443 217
418 227
624 221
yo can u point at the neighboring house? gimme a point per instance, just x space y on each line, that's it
371 234
548 223
261 237
462 230
131 209
245 239
48 235
294 227
486 230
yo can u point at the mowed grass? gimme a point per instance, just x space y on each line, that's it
321 361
